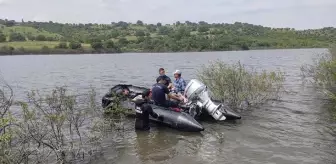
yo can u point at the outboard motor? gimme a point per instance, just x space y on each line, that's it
196 92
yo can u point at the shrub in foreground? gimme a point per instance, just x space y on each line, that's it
322 74
6 121
58 127
234 84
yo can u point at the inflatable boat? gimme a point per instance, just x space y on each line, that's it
185 118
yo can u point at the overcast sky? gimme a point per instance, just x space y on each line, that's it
300 14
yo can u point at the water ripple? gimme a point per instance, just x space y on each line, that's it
293 130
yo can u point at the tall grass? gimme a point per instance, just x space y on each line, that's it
235 84
322 74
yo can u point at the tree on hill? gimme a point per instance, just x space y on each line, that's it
109 44
31 37
2 37
122 24
9 23
181 32
16 37
140 23
114 34
203 28
164 30
140 39
75 45
123 41
41 38
97 45
202 23
139 33
2 21
151 28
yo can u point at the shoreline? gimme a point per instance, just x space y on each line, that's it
88 52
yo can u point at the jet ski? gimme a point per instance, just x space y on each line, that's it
199 105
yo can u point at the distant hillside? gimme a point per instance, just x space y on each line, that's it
141 37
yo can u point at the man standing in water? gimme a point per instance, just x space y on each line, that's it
143 110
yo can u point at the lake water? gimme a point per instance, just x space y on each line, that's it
296 129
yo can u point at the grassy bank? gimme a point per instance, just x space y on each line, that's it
37 45
48 47
35 37
51 47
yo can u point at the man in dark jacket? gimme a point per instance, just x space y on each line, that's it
159 92
143 110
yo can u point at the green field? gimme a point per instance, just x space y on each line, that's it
35 45
28 31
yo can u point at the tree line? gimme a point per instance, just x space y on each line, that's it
187 36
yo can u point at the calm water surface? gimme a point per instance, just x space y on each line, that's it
294 130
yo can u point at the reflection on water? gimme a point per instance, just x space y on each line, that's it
156 146
296 129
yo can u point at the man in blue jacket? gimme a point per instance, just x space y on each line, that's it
179 83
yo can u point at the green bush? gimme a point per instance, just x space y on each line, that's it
97 45
203 28
16 37
45 49
6 120
140 33
234 84
41 38
62 45
323 73
2 37
6 50
123 41
109 44
75 45
66 127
